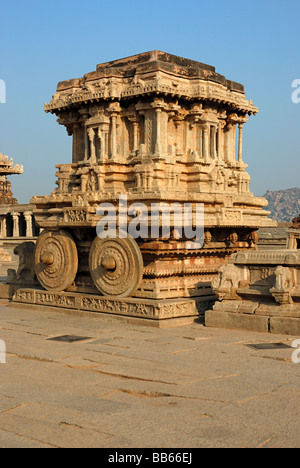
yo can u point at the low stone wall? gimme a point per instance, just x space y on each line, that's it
258 291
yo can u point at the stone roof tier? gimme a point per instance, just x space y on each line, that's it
151 73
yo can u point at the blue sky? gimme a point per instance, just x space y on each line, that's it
256 43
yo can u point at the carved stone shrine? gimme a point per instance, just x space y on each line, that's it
158 129
7 167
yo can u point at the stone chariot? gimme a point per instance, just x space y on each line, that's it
159 129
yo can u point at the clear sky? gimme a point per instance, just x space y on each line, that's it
254 42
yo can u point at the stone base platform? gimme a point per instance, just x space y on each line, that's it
178 311
255 317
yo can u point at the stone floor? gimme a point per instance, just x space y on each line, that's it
131 386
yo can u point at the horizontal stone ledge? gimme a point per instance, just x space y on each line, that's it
134 307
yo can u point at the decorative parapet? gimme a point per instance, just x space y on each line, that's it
269 303
265 275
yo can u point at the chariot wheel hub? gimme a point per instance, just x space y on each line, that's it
116 266
56 260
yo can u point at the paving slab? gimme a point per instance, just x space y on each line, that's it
131 386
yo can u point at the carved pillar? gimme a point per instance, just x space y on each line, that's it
135 136
86 145
230 136
133 117
213 141
91 134
100 177
102 134
220 141
114 110
85 116
158 132
206 142
200 142
113 136
16 227
240 143
28 220
158 105
233 142
101 143
74 150
3 226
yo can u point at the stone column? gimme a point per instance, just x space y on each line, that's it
230 137
3 226
16 227
158 133
91 134
233 142
113 136
206 142
101 137
86 145
159 147
200 141
240 143
220 141
135 136
28 220
114 110
74 149
213 135
133 117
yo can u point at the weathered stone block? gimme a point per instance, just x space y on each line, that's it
218 319
285 325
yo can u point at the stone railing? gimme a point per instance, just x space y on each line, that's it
258 291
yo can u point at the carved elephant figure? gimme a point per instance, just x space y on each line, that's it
228 281
26 272
284 284
284 279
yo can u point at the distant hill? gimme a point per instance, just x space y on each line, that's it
284 204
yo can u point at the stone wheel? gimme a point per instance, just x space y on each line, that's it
56 260
116 266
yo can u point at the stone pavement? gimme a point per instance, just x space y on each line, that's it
130 386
